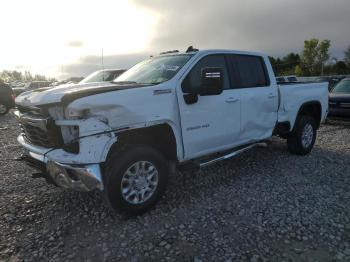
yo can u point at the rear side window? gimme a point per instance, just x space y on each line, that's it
248 71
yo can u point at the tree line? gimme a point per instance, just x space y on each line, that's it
314 60
26 76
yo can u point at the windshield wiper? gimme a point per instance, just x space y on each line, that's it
125 82
151 83
134 82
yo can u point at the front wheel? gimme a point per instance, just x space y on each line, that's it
3 109
302 139
136 178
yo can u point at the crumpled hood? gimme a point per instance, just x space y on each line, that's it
52 95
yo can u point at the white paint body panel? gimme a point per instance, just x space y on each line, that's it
294 96
250 117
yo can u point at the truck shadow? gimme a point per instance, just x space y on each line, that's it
187 189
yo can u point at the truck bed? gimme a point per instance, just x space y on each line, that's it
293 95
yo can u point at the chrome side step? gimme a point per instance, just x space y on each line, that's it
232 154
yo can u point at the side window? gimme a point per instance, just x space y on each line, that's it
193 79
248 71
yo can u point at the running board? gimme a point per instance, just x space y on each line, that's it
232 154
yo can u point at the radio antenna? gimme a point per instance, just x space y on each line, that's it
103 67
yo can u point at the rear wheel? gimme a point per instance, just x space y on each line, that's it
302 139
3 109
136 177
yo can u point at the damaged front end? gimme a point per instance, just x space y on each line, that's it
67 147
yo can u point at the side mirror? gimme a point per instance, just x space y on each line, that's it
212 81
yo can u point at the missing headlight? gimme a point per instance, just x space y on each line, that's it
70 136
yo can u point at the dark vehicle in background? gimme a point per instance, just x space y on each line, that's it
332 80
32 85
7 98
286 79
280 80
292 79
102 76
339 99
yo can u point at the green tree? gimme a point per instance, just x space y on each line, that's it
12 75
28 76
323 53
340 68
309 56
314 56
38 77
298 71
347 56
286 65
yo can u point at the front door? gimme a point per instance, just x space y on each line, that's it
213 122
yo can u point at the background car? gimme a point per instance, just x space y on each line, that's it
280 80
7 98
332 80
286 79
292 79
30 86
38 84
339 99
102 76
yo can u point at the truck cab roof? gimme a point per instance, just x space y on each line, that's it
214 51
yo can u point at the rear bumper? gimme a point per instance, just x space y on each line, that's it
85 177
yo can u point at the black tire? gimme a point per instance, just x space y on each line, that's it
3 109
295 139
119 162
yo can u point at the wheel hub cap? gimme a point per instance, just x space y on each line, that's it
3 109
139 182
307 135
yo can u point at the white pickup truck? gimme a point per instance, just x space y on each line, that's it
175 111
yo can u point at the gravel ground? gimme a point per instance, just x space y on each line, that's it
265 205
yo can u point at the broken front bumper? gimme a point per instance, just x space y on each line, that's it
71 176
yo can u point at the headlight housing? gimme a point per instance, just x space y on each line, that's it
70 133
70 136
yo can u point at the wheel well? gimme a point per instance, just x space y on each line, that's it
312 109
161 137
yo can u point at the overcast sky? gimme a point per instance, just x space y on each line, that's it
64 38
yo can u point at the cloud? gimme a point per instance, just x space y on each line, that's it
272 26
75 44
89 64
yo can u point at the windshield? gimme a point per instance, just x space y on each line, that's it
342 87
98 76
155 70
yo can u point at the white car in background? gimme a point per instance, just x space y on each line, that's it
105 75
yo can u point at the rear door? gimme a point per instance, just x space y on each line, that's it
212 123
259 98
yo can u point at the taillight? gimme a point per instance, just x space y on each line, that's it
13 97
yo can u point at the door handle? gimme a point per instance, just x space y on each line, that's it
272 95
232 100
